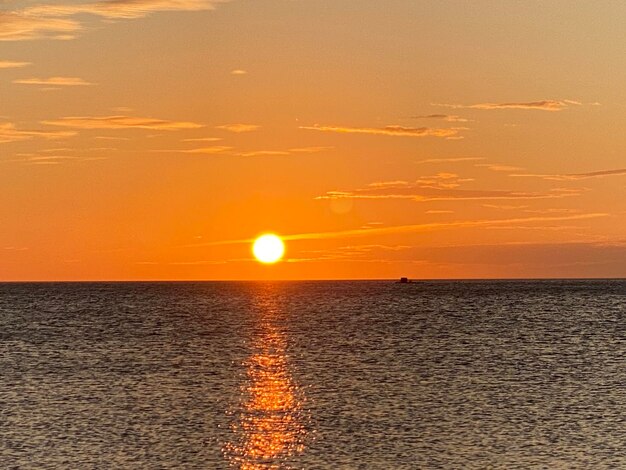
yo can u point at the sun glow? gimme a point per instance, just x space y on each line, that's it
268 248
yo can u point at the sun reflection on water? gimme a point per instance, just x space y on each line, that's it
269 429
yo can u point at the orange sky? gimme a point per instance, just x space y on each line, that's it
153 139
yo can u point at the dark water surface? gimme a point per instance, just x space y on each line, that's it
313 375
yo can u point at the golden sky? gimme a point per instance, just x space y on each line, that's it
154 139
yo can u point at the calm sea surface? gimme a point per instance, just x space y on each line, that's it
313 375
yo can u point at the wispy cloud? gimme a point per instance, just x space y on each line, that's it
441 180
441 187
121 122
452 160
203 139
361 253
435 226
263 153
238 72
48 160
576 176
260 153
120 8
309 149
414 228
227 150
53 81
9 133
10 64
109 137
544 105
19 26
239 127
504 207
208 150
58 20
498 167
388 130
444 117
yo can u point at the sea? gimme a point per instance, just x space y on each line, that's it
313 375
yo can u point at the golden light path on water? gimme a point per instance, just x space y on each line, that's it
269 428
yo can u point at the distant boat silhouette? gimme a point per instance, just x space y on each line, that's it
404 280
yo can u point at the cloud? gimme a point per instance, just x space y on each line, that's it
498 167
310 149
203 139
48 160
440 187
127 9
439 181
208 150
445 117
413 228
570 254
544 105
9 64
55 81
570 258
56 21
576 176
452 160
258 153
388 130
121 122
239 127
108 137
17 26
238 72
550 211
262 153
505 207
226 150
360 253
9 133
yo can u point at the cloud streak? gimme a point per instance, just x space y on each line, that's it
444 117
452 160
208 150
226 150
575 176
543 105
57 21
498 167
10 64
413 228
53 81
440 187
388 130
122 122
9 133
238 128
120 9
18 26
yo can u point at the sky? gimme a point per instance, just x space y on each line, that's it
155 139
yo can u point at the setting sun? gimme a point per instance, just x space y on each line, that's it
268 248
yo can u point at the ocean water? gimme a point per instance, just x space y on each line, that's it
313 375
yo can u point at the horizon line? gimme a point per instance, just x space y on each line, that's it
373 279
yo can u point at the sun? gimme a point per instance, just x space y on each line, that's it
268 248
